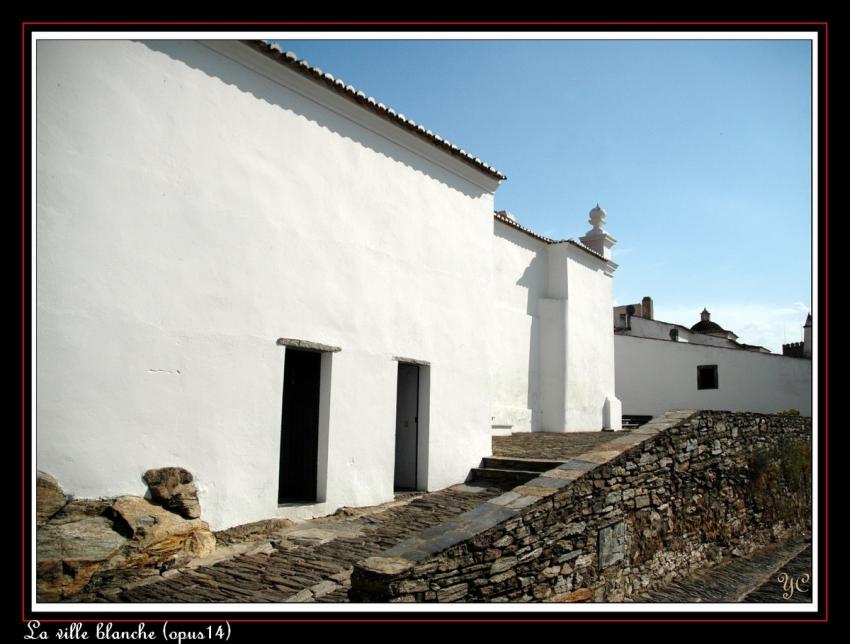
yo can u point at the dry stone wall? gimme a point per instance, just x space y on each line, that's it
680 493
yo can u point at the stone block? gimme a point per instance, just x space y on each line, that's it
580 595
612 544
500 565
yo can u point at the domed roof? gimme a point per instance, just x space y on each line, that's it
705 325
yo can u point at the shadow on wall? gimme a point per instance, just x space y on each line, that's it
198 56
527 280
533 280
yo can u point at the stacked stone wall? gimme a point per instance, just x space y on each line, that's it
678 494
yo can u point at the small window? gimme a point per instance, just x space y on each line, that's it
674 335
707 376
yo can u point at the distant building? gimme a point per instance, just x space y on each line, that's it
801 349
637 320
663 365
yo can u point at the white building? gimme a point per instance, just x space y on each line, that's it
661 366
250 270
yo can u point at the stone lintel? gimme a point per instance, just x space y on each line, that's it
421 363
306 345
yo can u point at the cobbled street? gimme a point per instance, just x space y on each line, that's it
311 562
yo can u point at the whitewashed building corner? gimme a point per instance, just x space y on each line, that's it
214 217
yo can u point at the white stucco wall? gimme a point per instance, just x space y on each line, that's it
654 376
552 346
653 329
577 360
519 281
190 211
590 340
644 328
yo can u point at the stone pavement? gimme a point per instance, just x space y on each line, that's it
751 579
312 561
548 446
308 562
794 586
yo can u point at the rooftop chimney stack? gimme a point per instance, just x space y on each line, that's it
646 305
596 239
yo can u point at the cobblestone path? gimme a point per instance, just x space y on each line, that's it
751 579
798 573
312 561
290 572
549 446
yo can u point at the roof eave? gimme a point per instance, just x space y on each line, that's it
368 103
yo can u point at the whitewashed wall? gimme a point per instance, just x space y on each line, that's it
590 340
644 328
519 281
654 376
577 349
190 211
552 347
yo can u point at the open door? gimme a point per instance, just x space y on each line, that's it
407 428
299 444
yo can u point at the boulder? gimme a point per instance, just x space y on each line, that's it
49 497
80 509
90 537
172 487
71 550
159 537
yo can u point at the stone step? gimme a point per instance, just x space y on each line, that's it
634 420
519 464
501 477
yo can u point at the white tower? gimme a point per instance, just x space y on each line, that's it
807 337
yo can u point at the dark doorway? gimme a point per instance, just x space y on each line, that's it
407 427
299 441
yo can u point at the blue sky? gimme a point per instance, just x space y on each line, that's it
698 150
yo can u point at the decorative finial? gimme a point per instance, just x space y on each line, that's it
705 316
597 218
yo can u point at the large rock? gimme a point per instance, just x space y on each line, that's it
90 537
161 537
173 488
71 547
49 497
80 509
